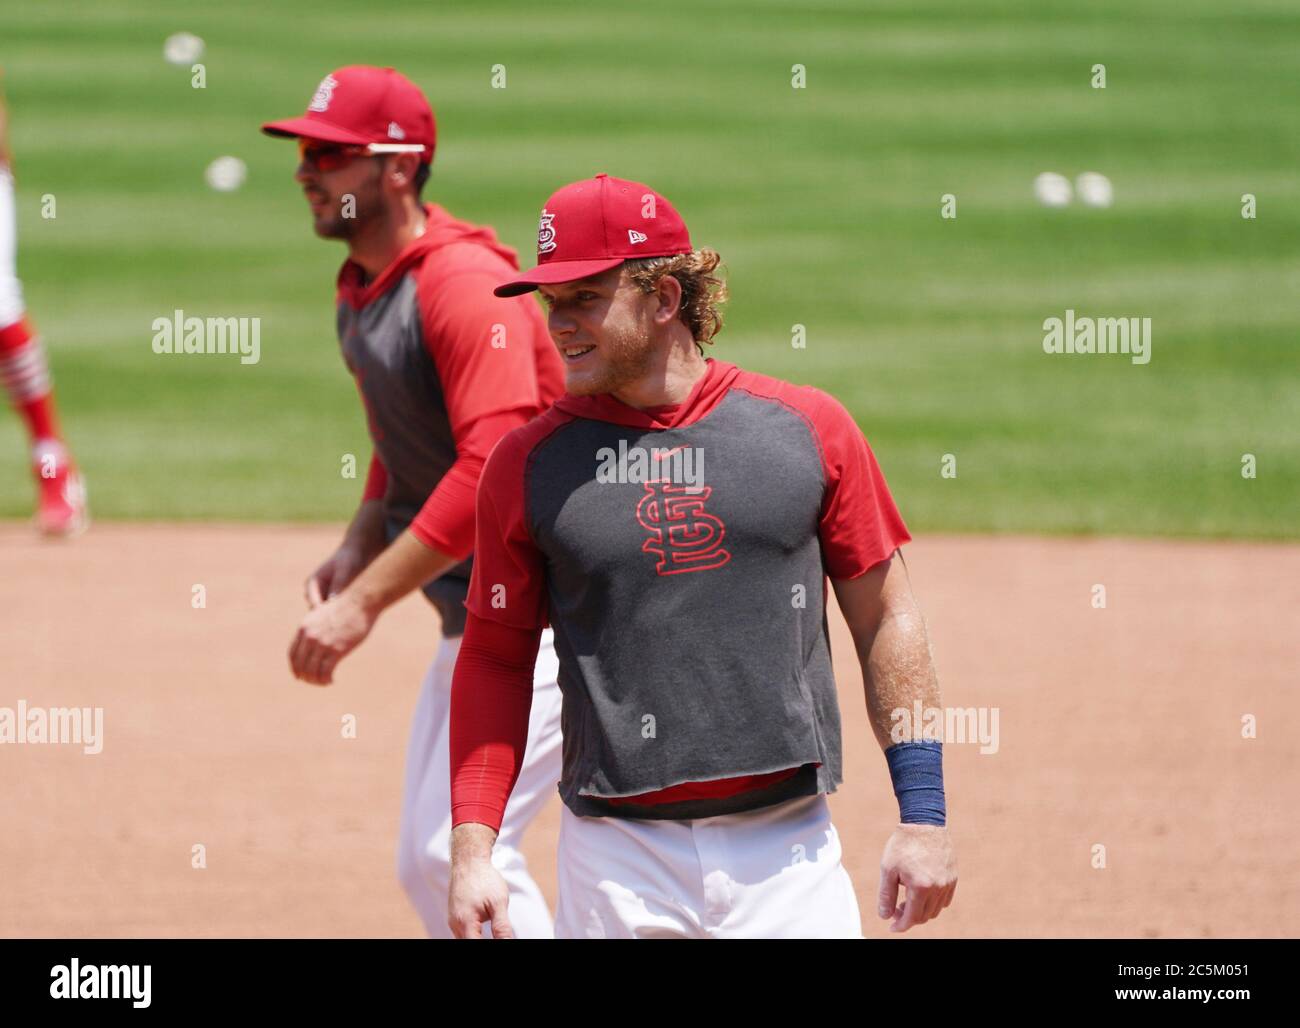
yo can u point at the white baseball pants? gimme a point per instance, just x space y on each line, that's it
11 290
424 844
762 874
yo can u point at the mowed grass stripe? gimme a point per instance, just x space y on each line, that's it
824 202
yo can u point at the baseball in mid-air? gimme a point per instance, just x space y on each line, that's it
1052 190
182 48
1094 189
226 174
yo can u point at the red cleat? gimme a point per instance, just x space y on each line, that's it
62 508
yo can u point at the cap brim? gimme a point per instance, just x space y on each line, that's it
556 272
313 128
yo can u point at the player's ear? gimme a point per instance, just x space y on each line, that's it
669 293
401 172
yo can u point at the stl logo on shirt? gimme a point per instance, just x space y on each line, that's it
320 100
683 534
545 233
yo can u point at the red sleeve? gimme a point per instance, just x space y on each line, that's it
860 525
491 696
508 584
376 480
481 345
483 350
446 521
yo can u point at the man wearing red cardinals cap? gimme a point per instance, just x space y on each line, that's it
444 370
674 519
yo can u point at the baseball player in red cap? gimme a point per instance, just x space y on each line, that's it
61 492
444 369
674 518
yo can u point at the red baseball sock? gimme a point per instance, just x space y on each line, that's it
26 378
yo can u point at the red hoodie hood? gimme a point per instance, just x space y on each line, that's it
705 395
440 228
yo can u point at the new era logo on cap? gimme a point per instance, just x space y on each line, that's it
594 225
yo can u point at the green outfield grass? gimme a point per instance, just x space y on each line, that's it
825 202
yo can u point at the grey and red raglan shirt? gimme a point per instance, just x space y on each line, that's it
688 599
445 369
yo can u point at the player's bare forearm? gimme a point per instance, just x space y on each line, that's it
897 671
402 568
893 646
364 532
334 628
362 541
366 529
471 841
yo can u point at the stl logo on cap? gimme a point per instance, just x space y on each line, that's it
606 222
545 233
320 100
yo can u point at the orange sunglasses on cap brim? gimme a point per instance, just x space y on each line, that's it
332 156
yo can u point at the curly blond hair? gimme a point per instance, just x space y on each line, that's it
703 292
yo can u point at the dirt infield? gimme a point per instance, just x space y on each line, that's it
1118 727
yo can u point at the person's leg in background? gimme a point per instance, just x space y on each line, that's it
538 776
424 844
25 375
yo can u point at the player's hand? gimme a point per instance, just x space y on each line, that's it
327 634
921 858
478 892
333 576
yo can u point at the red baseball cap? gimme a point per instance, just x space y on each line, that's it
596 224
366 106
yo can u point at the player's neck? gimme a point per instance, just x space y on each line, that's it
377 245
669 383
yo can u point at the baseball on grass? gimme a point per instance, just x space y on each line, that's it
1094 189
1052 190
226 174
182 48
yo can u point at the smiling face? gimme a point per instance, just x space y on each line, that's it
329 174
605 329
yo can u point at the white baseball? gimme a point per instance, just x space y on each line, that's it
1052 190
226 174
182 48
1094 189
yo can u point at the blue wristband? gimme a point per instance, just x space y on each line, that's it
916 769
